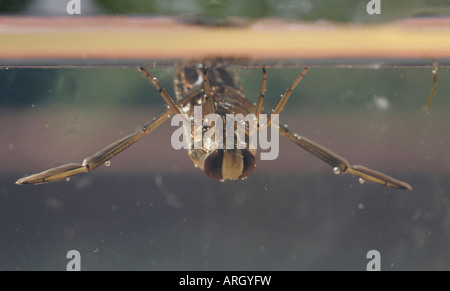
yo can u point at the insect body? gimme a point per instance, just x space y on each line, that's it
218 91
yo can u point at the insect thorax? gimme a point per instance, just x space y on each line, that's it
226 92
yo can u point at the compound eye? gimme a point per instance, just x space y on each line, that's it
213 164
249 163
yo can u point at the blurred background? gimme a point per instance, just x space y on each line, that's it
308 10
152 210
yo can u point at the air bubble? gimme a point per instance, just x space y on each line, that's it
155 79
68 179
361 181
108 163
336 170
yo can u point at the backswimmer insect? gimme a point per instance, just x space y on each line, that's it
218 91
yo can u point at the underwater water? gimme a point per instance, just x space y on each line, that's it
151 209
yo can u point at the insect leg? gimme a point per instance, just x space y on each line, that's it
207 100
279 107
433 87
161 91
328 156
288 92
259 104
92 162
342 164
